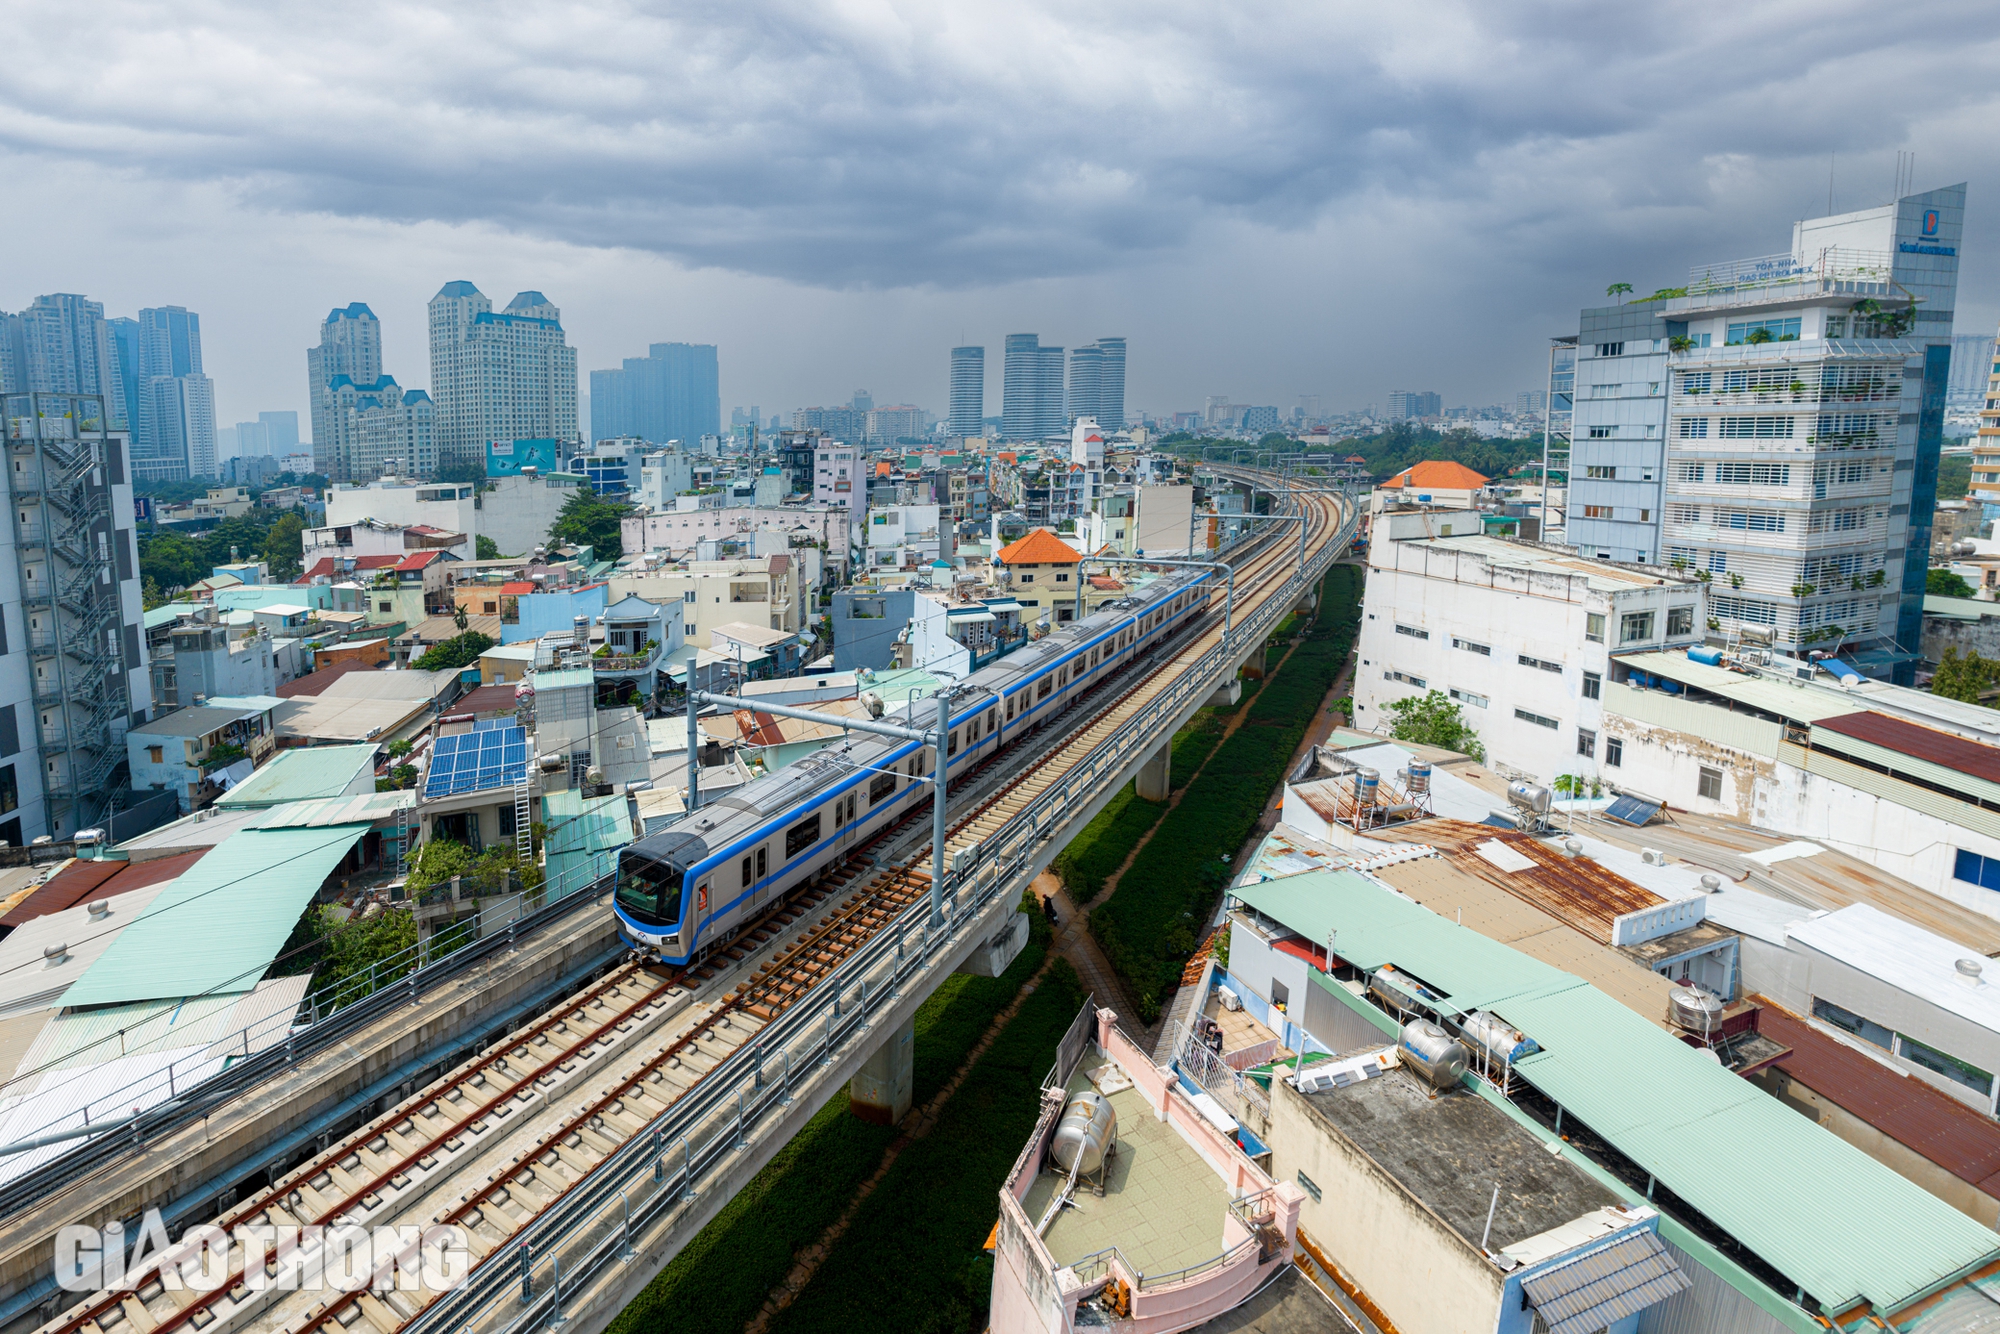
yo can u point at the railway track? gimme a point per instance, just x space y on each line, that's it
493 1143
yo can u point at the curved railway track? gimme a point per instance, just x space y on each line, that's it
493 1143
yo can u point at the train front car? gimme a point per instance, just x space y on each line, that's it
652 896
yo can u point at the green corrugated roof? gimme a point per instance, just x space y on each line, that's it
308 773
568 676
1820 1211
580 831
222 922
168 612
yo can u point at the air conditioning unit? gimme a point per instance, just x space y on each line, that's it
1652 857
1230 1000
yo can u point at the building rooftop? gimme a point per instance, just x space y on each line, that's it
335 718
196 721
305 773
1451 1150
312 683
1826 1217
1163 1204
1039 547
30 980
82 882
1443 474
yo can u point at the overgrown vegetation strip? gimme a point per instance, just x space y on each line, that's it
722 1277
1147 927
913 1258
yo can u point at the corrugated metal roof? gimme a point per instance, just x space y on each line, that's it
374 807
1925 743
29 981
83 882
1907 1110
1815 1208
1596 1291
1800 703
306 773
222 922
1579 890
581 829
1907 957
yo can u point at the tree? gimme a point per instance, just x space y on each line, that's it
1954 477
588 521
284 546
458 616
1945 584
459 651
1433 720
485 548
171 561
1964 678
1618 290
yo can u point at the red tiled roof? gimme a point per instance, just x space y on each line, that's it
1922 743
313 683
1441 474
1904 1108
417 560
1040 547
496 698
86 882
513 588
1104 582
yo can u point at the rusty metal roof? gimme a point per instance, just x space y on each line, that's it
84 882
1923 743
1576 890
1907 1110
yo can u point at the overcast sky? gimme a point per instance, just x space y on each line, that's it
1268 200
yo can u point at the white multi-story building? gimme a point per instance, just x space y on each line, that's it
376 429
504 376
840 477
1776 425
350 345
449 506
1518 634
1986 456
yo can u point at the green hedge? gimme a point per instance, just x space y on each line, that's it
721 1278
913 1259
1105 843
1150 924
1194 743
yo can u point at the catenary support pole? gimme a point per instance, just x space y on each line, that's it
941 744
693 798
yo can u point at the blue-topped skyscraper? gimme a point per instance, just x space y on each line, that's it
967 415
1776 423
674 392
508 375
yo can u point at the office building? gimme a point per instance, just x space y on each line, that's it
840 423
174 420
1531 402
1779 428
1972 358
671 393
281 432
863 401
1985 486
1259 421
1414 404
76 679
1097 383
902 421
508 375
967 415
1031 389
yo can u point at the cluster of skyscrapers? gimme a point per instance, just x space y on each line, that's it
1034 402
674 392
148 370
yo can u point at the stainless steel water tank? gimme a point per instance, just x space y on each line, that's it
1419 776
1366 782
1499 1037
1530 796
1431 1052
1087 1129
1694 1009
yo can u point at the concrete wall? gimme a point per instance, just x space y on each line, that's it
1408 1261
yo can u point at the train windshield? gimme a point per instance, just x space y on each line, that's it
649 890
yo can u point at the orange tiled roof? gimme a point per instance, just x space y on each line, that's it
1040 547
1441 474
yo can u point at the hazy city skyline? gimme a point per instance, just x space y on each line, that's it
1427 218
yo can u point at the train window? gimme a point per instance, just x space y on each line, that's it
802 836
951 743
701 897
883 786
1010 708
747 877
763 862
1043 689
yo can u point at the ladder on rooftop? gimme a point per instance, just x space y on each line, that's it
524 837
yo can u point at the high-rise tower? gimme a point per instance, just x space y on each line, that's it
175 436
968 391
498 376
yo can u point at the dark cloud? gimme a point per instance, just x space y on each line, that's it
884 145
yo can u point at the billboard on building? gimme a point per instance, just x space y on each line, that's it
506 458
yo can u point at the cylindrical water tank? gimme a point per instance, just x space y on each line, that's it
1366 783
1694 1009
1431 1052
1419 776
1703 653
1530 796
1086 1131
1506 1042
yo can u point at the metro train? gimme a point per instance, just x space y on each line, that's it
691 887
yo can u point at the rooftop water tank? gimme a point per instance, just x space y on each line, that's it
1694 1009
1431 1052
1085 1134
1418 776
1530 796
1703 653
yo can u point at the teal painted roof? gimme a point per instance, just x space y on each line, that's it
309 773
222 922
169 612
568 676
1820 1211
582 833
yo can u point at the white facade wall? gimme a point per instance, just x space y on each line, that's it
838 478
1618 450
1503 642
517 512
679 530
446 505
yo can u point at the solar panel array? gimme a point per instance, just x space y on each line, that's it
491 755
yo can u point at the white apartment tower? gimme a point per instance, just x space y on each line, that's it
505 376
1775 426
350 345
